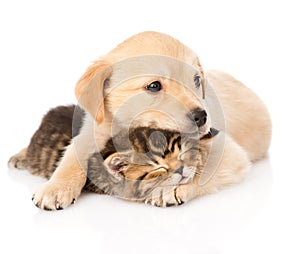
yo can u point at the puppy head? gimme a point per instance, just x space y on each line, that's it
151 80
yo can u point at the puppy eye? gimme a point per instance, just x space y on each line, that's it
154 87
197 80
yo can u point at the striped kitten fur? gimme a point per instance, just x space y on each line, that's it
132 164
48 143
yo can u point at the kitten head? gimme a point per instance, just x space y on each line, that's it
155 158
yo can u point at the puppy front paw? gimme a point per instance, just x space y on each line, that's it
164 197
55 195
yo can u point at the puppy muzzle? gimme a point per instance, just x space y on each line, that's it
198 116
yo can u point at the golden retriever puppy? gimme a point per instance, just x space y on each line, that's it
153 80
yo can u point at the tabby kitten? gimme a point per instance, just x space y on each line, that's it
152 158
132 164
48 143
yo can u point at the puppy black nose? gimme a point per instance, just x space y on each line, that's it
199 116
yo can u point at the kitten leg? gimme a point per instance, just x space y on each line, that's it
18 161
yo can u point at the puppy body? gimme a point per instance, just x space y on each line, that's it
114 93
246 119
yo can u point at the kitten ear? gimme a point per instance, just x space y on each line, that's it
115 164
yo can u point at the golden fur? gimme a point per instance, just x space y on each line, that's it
113 92
133 163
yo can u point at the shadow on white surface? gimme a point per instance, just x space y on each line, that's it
98 222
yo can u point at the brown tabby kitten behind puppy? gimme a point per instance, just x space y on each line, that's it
48 143
132 164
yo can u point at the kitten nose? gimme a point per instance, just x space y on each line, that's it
199 116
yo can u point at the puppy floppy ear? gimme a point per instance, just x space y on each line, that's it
89 89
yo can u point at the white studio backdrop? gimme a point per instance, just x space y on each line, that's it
45 47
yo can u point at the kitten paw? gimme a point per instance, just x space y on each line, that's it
182 175
188 174
18 161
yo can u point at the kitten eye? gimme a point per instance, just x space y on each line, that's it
154 87
197 80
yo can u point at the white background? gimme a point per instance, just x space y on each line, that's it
45 48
